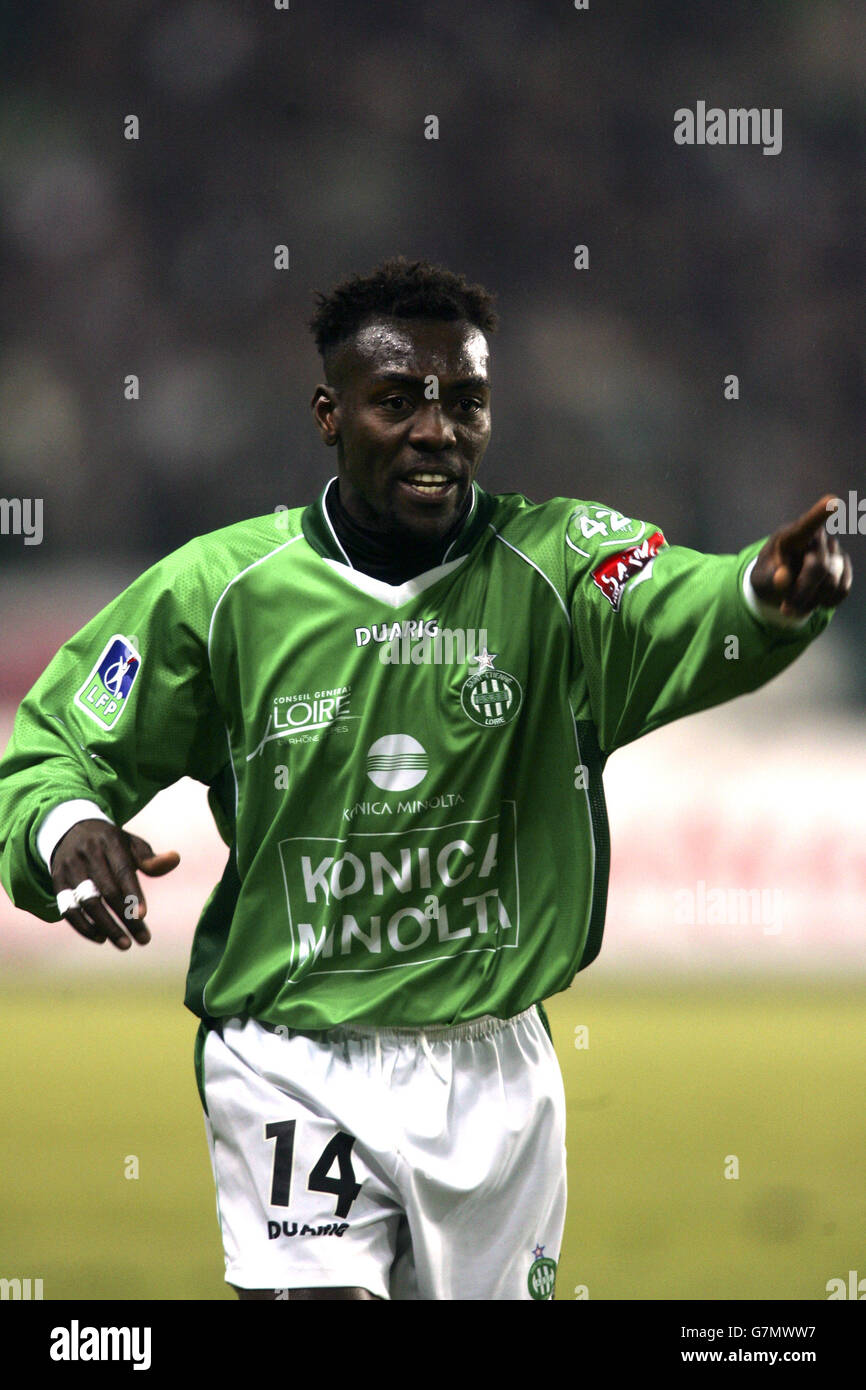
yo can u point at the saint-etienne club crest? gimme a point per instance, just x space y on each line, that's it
488 696
542 1275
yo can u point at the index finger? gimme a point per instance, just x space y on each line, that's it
797 537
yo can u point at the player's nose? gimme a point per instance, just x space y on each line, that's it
432 429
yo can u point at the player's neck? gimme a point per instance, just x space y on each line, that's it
384 556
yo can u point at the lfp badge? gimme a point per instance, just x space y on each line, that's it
105 693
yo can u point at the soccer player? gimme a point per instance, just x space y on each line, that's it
401 698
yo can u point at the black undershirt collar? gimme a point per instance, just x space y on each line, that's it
387 557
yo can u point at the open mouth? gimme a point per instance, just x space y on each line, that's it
430 483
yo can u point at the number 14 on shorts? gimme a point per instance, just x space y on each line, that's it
344 1186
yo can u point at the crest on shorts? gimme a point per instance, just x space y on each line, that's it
488 696
542 1275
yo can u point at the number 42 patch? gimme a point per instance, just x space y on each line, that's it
589 520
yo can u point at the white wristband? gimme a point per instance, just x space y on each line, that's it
767 612
62 818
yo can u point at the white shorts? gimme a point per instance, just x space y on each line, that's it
416 1165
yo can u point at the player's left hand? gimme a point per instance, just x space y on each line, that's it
801 567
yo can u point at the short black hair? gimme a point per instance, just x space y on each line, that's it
399 288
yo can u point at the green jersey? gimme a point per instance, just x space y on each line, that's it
408 777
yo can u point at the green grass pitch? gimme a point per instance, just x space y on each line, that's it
674 1082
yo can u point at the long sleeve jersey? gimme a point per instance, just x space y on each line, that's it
408 777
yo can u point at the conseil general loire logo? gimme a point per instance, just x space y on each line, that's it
490 697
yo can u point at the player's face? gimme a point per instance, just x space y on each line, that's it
409 411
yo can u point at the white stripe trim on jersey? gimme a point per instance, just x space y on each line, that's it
240 575
469 516
395 595
589 816
537 568
330 523
234 773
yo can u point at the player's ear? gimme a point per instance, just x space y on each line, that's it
326 413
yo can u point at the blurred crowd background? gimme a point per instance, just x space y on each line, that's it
305 127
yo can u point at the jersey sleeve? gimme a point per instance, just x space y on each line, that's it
125 709
663 631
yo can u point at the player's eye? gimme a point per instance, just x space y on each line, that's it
395 403
469 404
